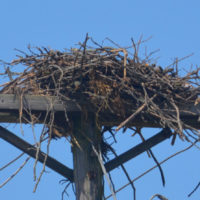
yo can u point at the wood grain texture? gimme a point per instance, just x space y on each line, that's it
88 175
10 105
37 103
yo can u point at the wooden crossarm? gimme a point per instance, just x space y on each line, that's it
31 151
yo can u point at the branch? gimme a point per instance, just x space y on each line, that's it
159 167
15 173
99 156
140 148
31 151
159 196
155 166
197 186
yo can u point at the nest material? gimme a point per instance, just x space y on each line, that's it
108 81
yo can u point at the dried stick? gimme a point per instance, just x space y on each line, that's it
179 60
31 150
127 175
131 117
65 191
152 168
154 158
47 153
12 161
138 149
161 197
38 145
178 118
99 156
159 167
134 114
14 174
194 190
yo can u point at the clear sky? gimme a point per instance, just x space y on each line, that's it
174 26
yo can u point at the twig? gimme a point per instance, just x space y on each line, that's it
99 156
161 197
65 191
14 174
12 161
31 150
179 60
134 114
153 156
159 167
46 156
194 190
131 117
152 168
178 118
138 149
127 175
38 144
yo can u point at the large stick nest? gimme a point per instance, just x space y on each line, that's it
108 81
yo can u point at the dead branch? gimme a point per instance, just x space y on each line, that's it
133 115
161 197
194 190
109 80
127 175
162 135
159 167
12 161
155 166
15 173
99 156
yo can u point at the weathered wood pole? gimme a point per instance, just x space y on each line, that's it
88 176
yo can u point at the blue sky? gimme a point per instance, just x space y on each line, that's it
174 28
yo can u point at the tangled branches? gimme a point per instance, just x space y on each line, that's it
109 82
106 81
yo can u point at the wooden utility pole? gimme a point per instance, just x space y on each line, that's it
88 175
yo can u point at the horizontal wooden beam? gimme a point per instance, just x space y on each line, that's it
37 103
10 105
